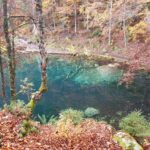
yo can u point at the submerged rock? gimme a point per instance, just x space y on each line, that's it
126 141
105 74
91 112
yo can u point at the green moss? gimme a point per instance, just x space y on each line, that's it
126 141
31 104
119 141
43 87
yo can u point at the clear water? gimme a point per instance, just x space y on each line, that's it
79 84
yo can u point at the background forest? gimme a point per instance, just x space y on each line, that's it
112 27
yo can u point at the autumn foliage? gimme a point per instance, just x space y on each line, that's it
89 135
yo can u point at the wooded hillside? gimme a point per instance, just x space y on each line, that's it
119 28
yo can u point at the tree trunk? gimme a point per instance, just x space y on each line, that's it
2 77
10 52
124 24
40 39
87 19
75 17
110 22
54 14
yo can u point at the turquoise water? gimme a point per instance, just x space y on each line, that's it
80 84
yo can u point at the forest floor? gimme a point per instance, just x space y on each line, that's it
89 135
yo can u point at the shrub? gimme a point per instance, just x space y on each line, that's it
67 129
135 124
68 122
91 112
27 127
17 108
70 114
139 32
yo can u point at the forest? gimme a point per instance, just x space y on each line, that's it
74 75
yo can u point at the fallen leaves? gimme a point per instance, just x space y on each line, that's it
92 136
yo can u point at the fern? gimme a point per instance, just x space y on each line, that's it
43 119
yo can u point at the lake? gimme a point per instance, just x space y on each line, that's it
78 83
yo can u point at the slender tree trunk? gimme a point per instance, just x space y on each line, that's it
54 15
14 60
43 54
40 39
75 17
10 52
54 22
58 2
87 22
110 22
2 77
124 24
13 51
87 19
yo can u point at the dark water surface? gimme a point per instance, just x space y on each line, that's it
80 84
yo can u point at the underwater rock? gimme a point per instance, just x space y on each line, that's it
126 141
91 112
99 75
110 68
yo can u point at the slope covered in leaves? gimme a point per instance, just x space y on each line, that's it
86 136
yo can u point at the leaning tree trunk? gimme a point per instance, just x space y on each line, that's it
40 39
9 52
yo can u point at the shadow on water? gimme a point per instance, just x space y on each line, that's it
80 84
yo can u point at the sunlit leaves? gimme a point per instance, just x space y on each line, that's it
139 31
